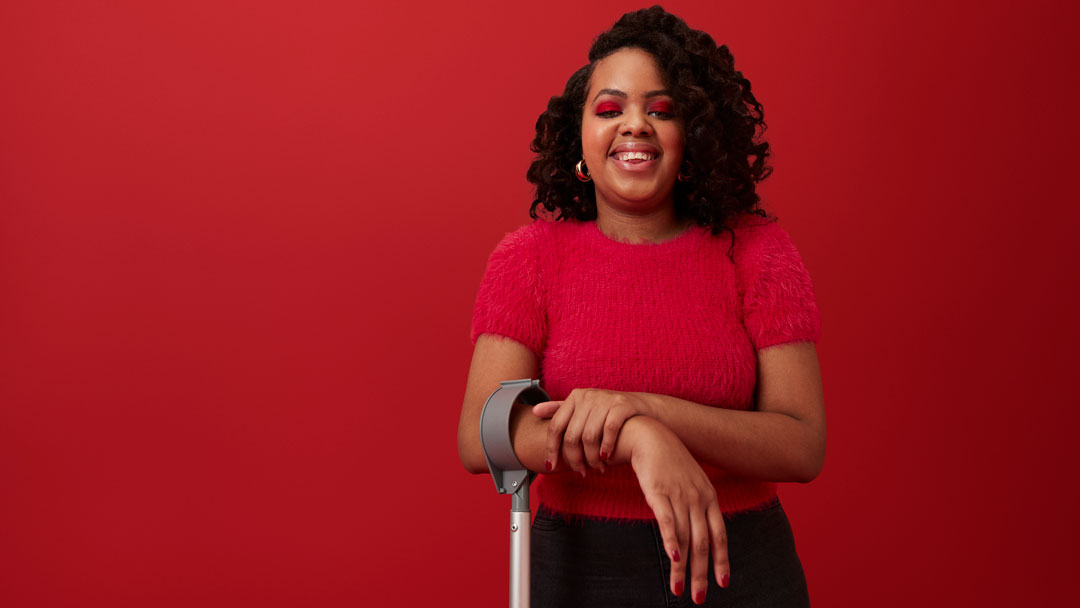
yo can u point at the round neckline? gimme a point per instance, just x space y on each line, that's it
682 236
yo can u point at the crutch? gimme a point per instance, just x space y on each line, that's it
511 477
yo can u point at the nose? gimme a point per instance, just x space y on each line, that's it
635 123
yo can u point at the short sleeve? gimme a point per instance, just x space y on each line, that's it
779 304
509 302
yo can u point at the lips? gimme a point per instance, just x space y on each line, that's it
635 156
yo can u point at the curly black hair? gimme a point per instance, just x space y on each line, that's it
720 114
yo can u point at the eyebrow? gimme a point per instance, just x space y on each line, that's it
618 93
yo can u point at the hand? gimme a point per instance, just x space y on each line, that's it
684 502
586 425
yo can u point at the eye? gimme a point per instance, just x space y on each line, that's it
662 109
608 110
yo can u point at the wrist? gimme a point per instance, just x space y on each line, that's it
649 404
631 437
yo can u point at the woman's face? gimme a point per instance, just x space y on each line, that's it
630 137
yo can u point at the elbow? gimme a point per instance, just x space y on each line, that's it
476 468
472 459
811 467
809 474
812 459
470 452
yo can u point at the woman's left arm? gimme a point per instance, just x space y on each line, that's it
782 440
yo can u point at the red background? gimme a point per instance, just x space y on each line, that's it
240 243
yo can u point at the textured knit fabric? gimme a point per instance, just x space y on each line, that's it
673 318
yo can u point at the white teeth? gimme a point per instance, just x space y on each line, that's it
635 155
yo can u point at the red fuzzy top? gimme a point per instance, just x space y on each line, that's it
674 318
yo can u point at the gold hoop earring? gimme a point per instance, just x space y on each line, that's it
582 175
683 176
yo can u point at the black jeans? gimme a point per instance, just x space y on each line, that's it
611 564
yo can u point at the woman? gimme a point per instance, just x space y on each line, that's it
672 324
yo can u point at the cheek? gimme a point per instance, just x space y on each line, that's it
595 139
675 140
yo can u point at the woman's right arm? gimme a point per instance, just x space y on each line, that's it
495 359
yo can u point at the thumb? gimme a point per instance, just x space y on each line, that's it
546 409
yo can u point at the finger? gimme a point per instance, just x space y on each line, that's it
590 437
699 552
616 418
569 453
718 532
682 532
556 428
575 458
665 518
572 440
546 409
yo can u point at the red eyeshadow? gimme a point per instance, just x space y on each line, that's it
608 106
661 106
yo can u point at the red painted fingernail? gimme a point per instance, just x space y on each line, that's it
699 597
724 580
675 555
603 455
547 465
678 588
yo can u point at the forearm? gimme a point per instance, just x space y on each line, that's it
757 445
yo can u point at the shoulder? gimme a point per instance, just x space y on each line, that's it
763 250
536 230
754 230
532 238
518 242
758 239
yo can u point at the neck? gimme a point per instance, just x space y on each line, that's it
655 226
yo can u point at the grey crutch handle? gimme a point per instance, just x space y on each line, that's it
507 471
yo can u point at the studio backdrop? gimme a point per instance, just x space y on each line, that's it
240 244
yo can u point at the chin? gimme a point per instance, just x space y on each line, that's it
638 197
640 192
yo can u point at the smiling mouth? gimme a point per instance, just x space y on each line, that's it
637 161
634 157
